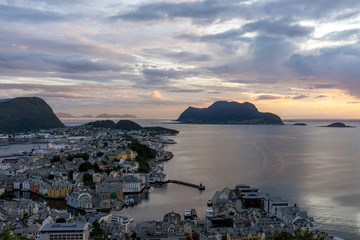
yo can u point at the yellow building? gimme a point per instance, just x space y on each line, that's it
59 190
125 154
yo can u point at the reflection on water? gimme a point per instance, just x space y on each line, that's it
317 168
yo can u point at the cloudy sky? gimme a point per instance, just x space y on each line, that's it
151 58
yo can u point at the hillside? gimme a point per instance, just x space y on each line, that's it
223 112
27 114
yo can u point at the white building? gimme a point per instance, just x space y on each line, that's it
79 199
63 231
273 205
132 184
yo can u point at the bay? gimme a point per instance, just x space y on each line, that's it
317 168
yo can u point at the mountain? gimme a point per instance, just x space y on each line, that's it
64 115
86 116
105 115
223 112
27 114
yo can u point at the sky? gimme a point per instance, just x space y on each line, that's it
153 59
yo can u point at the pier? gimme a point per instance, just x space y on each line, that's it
200 186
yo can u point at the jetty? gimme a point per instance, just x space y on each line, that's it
200 186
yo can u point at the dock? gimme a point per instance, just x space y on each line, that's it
200 186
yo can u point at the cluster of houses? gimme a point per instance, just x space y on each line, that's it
241 213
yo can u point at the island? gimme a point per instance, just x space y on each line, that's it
105 115
27 114
223 112
338 125
300 124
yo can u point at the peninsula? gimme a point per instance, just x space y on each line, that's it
223 112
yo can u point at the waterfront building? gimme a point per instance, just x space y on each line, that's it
132 184
273 205
80 199
59 189
64 231
112 186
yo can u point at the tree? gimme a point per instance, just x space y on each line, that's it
85 166
87 179
8 196
298 235
97 230
8 235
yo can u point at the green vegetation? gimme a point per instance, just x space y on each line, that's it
84 156
85 166
8 196
144 153
55 158
298 235
162 130
127 125
27 114
87 179
97 230
8 235
99 154
102 124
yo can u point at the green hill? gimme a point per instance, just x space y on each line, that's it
127 125
27 114
223 112
102 124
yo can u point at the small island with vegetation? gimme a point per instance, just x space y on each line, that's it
300 124
223 112
338 125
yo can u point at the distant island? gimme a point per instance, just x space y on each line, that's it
130 126
104 115
300 124
27 114
337 125
223 112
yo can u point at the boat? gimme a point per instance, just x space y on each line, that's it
187 214
209 212
131 201
127 201
193 214
209 203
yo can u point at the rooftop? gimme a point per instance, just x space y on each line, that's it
50 227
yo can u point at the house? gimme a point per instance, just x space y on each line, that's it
132 184
26 207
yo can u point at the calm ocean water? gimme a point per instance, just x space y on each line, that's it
317 168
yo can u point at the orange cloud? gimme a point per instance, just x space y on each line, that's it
154 94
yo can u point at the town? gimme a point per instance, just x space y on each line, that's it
91 171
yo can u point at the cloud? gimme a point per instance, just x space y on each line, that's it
282 26
199 11
321 96
43 62
299 97
20 14
155 94
267 97
164 76
338 65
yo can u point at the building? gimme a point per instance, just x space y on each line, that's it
59 190
80 199
273 205
132 184
64 231
26 207
125 154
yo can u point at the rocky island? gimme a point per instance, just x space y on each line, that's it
223 112
338 125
